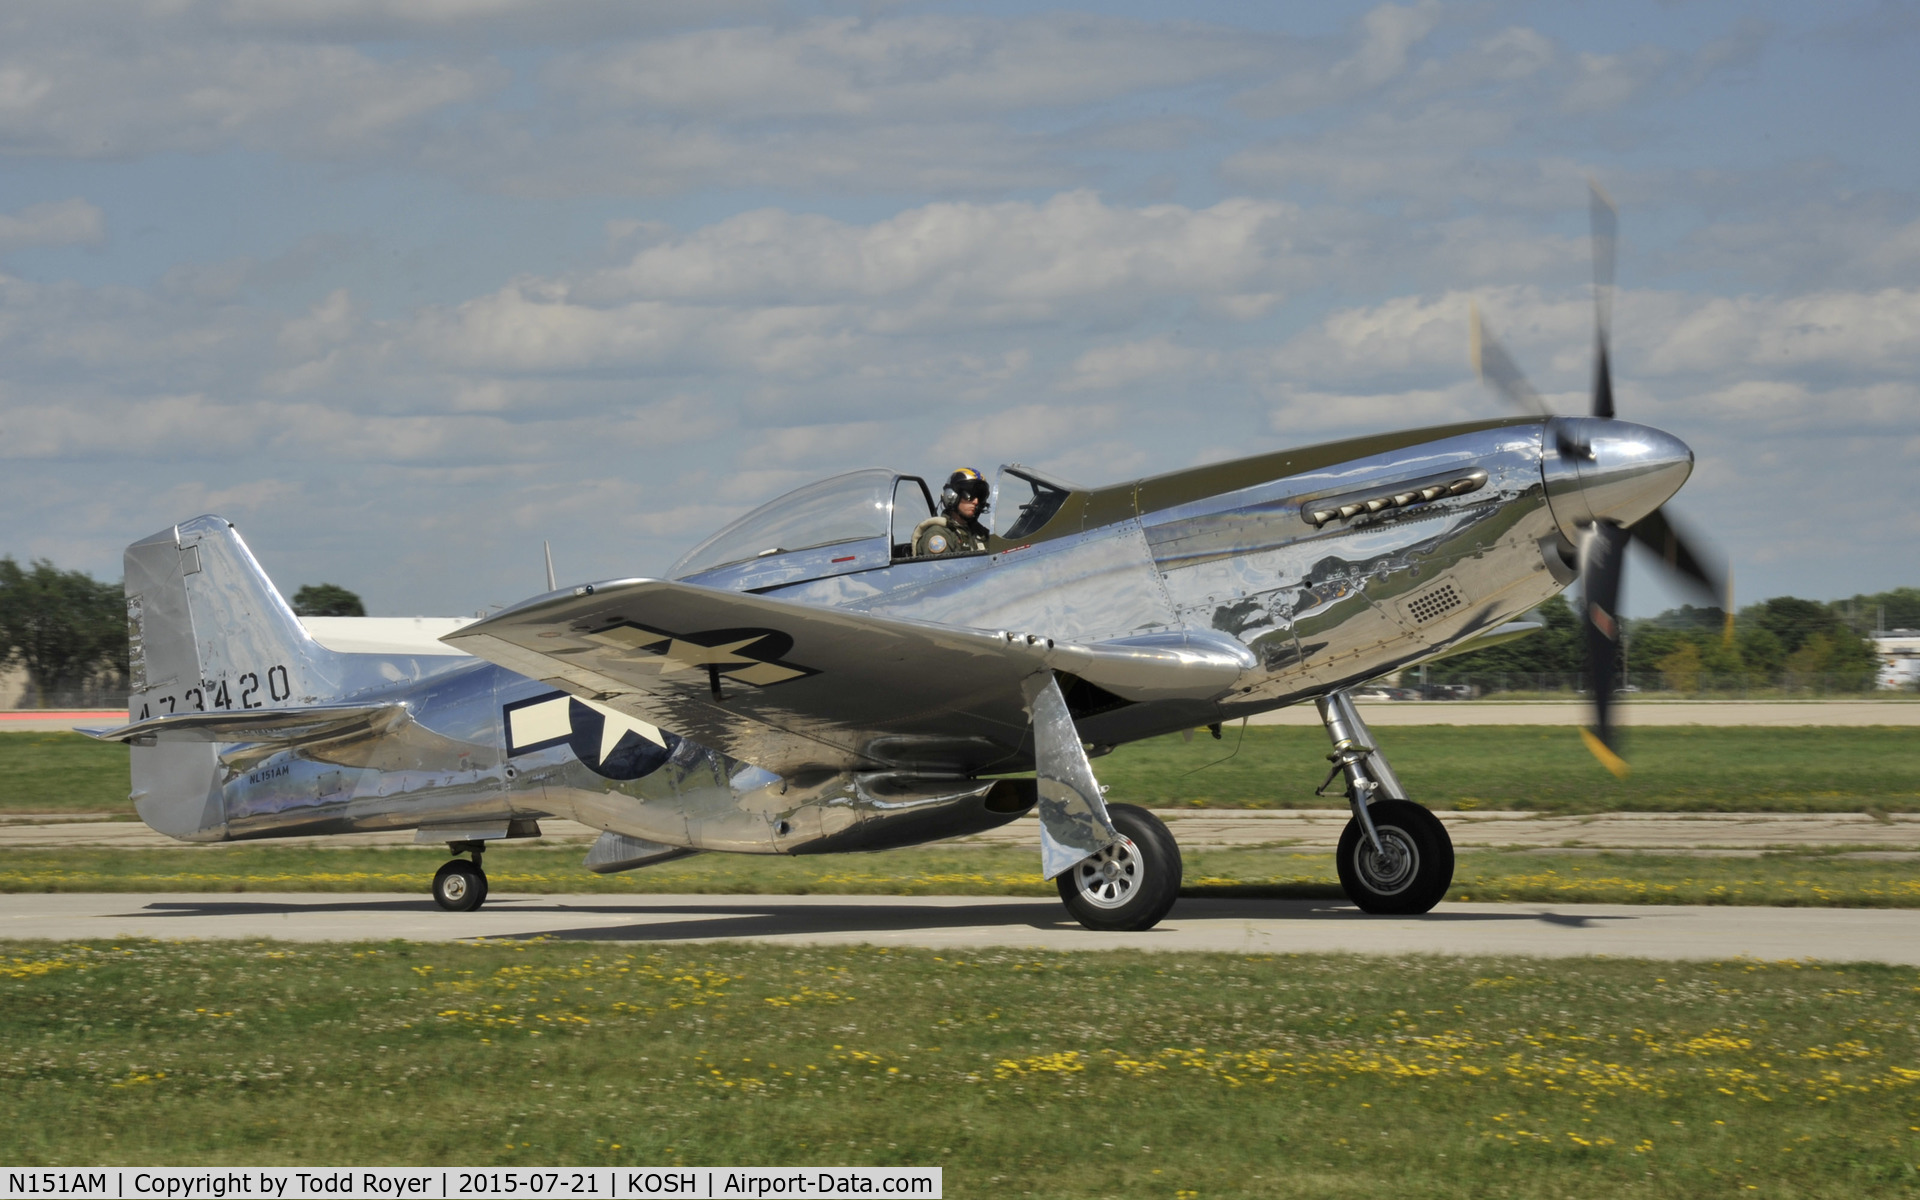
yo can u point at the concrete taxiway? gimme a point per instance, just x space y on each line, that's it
982 923
1213 829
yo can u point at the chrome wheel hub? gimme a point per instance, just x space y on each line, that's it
1392 868
1110 878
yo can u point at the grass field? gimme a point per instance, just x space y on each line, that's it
1796 879
1534 768
62 772
1173 1076
1538 768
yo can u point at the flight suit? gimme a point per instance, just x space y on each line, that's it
947 535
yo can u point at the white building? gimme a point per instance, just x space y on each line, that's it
1899 653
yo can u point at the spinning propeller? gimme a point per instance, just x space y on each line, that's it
1604 465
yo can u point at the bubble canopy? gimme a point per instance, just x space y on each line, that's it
853 507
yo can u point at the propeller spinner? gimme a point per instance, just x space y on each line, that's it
1607 483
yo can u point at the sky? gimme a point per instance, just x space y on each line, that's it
406 287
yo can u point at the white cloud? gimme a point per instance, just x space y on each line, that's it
88 96
1015 258
1841 331
644 111
1603 82
1387 37
1106 367
794 297
1656 334
619 156
328 324
1784 406
520 20
1402 335
899 68
1299 413
1856 240
1506 57
62 223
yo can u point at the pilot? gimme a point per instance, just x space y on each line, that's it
957 530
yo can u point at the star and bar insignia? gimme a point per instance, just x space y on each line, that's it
747 655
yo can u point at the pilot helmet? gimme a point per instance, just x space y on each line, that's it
963 484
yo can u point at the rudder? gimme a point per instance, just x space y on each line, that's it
207 631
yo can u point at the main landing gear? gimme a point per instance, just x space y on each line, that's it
1395 857
461 886
1131 884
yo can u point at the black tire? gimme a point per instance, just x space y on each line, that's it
1418 868
459 886
1130 886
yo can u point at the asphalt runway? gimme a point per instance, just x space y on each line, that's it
982 923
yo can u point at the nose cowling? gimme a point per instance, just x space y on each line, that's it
1628 471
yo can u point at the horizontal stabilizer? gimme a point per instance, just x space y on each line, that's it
319 722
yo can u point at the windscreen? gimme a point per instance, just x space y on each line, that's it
844 508
1030 499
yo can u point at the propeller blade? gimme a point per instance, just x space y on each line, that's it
1606 225
1496 367
1602 379
1726 635
1688 557
1602 554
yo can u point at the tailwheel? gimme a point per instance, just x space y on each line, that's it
1131 884
1412 869
460 886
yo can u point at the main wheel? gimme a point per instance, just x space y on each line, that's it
1414 872
1130 885
459 886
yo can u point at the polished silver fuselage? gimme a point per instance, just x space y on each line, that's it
1319 605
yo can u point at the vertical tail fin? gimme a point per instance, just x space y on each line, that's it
208 632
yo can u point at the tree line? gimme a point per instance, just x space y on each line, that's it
1784 642
68 631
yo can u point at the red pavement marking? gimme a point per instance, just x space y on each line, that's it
48 714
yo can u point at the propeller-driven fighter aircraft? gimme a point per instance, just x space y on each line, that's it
799 683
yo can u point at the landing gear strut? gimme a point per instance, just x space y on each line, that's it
459 885
1395 857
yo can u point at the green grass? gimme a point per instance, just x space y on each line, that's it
1535 768
1542 769
1171 1076
62 772
1781 879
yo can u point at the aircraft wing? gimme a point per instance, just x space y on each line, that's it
790 687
